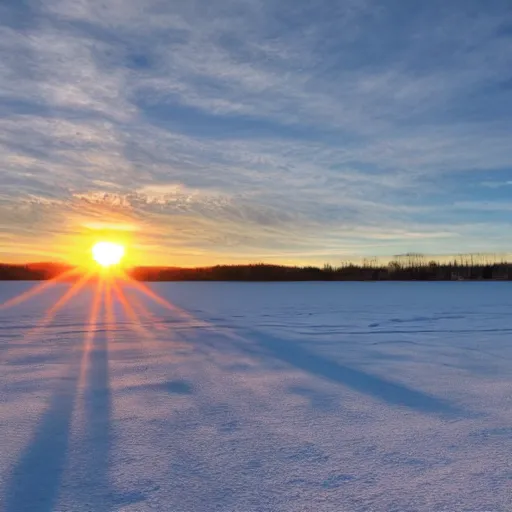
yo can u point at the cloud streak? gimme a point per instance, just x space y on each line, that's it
245 130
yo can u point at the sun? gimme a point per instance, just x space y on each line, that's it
107 254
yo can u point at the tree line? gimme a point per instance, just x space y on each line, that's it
32 271
407 267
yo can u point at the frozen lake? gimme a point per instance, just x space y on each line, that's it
342 397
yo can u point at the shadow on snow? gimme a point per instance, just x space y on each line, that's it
377 387
35 480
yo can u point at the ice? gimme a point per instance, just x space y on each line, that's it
259 397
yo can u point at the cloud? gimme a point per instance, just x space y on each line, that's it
494 206
496 184
240 129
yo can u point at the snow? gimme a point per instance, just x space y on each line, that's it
340 397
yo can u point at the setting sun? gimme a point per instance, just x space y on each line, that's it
107 253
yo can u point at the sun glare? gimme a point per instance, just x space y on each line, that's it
107 254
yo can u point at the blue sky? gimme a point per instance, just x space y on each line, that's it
255 130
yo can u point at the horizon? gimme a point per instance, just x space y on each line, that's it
477 259
283 132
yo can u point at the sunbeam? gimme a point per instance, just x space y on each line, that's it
160 300
36 290
110 318
91 331
125 304
109 309
184 315
132 314
50 313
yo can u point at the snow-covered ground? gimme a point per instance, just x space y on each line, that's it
295 397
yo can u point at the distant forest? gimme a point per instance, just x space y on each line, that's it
408 267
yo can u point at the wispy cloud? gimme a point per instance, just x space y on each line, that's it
496 184
251 129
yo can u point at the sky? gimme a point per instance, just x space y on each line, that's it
288 131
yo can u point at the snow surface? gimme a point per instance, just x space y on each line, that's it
260 397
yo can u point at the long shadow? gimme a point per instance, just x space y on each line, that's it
94 448
382 389
296 355
35 480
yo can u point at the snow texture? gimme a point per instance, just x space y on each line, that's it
342 397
